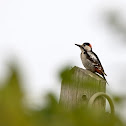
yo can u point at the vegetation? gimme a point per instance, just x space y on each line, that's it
14 113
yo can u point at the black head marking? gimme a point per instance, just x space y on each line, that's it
86 43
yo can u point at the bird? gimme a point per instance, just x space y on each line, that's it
90 60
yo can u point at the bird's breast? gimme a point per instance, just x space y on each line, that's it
86 62
83 59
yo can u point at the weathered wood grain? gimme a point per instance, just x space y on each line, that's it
76 91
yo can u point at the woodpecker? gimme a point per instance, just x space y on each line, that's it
90 60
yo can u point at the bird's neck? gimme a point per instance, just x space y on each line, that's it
85 51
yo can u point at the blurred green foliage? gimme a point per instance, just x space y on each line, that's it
14 113
116 23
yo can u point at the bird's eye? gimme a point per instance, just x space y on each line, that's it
84 44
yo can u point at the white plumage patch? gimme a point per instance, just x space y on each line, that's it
87 48
92 56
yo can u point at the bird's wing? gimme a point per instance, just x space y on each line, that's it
93 58
96 62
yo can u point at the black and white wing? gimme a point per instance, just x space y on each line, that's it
96 62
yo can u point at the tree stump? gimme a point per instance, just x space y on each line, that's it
78 89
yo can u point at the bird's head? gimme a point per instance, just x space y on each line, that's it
85 47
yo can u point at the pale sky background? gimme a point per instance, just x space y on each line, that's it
41 35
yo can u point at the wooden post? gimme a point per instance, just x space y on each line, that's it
78 89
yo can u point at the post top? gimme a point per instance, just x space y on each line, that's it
88 73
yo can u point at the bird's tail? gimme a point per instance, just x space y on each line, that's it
103 75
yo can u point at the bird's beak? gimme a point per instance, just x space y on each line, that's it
79 45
